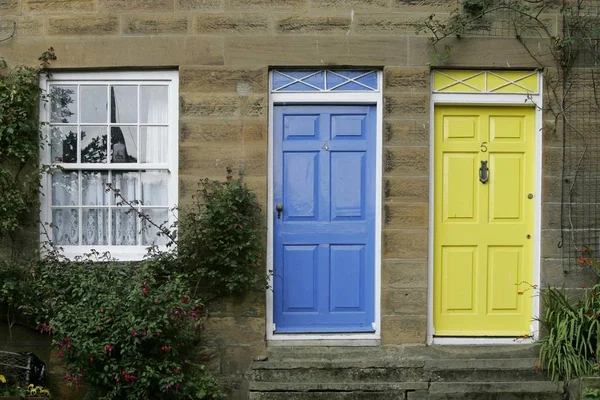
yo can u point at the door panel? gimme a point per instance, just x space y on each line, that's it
348 175
459 190
483 258
300 279
347 278
324 177
301 200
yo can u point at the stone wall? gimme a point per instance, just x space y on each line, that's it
223 50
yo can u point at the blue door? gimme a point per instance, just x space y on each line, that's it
324 229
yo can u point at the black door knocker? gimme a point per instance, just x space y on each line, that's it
484 172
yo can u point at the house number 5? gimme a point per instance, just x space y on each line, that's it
483 147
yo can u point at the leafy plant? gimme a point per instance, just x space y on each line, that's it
19 144
220 243
591 394
122 329
570 348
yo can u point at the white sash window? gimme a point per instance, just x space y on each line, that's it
109 133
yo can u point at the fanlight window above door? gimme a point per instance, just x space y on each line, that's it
313 80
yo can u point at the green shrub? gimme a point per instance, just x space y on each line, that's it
220 237
123 329
570 349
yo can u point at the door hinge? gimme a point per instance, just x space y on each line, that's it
374 326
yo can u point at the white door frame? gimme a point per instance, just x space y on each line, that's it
329 98
491 99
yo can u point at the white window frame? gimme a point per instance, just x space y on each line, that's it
168 78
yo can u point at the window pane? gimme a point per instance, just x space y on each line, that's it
153 104
65 188
124 227
126 183
63 104
94 145
63 144
94 191
123 144
123 104
94 104
154 146
94 226
65 226
150 232
155 188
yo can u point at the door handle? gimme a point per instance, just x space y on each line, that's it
279 208
484 172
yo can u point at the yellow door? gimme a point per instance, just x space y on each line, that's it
483 239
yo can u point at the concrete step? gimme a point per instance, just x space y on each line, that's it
324 353
395 387
482 370
495 390
340 371
383 395
407 370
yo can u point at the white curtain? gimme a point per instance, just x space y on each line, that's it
154 110
124 220
154 139
65 220
94 220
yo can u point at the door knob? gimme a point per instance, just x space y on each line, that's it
484 172
279 208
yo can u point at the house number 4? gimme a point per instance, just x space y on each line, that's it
483 147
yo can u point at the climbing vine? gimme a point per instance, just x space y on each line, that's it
19 149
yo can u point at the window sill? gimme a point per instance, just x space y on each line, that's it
122 253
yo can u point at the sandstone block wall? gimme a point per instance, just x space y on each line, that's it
223 50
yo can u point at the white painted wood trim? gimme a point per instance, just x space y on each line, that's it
500 100
372 98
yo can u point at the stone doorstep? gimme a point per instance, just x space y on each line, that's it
359 395
336 387
495 387
403 352
343 364
454 370
434 365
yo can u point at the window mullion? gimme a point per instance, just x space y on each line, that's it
109 127
110 209
139 158
78 130
80 201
